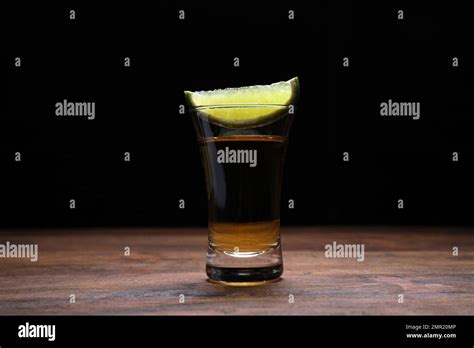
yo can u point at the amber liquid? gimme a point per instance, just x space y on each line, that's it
244 201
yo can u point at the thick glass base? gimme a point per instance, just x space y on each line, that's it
244 268
244 276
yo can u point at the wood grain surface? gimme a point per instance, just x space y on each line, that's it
164 263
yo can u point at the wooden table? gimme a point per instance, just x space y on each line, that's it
416 262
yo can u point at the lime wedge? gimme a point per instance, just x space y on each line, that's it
245 106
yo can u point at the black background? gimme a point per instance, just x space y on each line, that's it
137 109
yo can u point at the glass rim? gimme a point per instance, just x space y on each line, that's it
238 106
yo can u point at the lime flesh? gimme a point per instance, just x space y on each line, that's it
245 106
